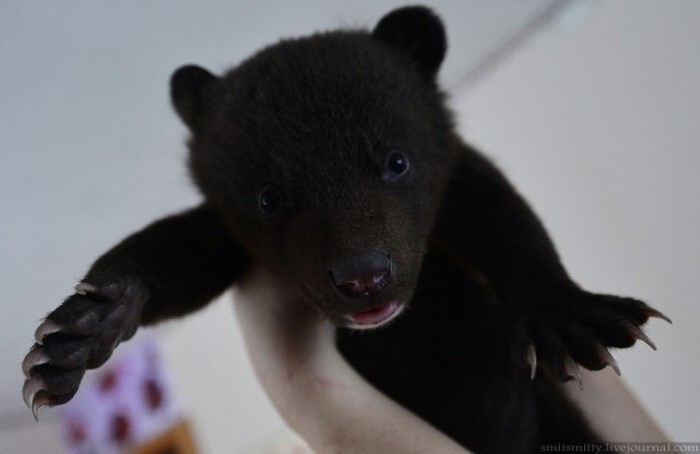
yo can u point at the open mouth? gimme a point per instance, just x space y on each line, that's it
375 317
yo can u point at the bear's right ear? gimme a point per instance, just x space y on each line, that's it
191 91
418 33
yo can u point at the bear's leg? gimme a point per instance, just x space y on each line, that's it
556 324
170 268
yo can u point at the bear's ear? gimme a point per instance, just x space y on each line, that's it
418 32
191 92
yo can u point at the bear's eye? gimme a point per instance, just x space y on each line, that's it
396 165
271 200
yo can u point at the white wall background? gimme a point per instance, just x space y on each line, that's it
596 123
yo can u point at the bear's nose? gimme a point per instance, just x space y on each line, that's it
362 274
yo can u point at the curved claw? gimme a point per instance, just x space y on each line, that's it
31 387
35 357
531 358
637 333
651 312
84 288
573 367
41 399
47 327
608 359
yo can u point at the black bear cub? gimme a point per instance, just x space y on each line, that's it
333 161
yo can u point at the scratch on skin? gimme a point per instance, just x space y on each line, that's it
328 383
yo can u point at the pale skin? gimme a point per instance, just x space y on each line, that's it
325 401
612 410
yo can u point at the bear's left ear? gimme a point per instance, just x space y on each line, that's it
191 90
418 32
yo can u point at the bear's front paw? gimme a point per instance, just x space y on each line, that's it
568 327
80 334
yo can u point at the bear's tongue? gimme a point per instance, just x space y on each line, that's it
374 316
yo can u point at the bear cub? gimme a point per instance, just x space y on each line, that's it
333 161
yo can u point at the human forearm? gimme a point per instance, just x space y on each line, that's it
314 389
612 410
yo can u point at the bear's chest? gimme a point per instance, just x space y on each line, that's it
447 358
